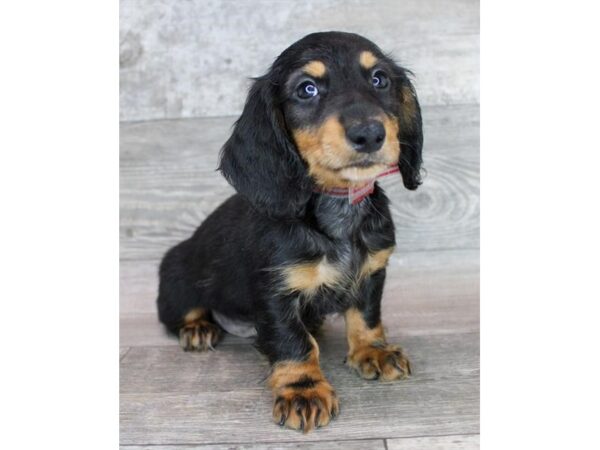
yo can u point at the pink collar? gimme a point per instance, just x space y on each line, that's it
356 195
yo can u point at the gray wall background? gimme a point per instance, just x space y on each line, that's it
182 58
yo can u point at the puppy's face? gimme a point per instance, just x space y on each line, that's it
343 110
333 111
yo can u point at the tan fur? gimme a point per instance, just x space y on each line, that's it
321 396
375 261
391 146
315 69
358 333
387 362
358 177
324 149
328 153
368 352
287 372
367 60
197 332
409 107
194 315
308 277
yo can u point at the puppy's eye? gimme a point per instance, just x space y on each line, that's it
307 89
380 80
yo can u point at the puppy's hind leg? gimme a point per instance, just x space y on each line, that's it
194 325
199 332
180 304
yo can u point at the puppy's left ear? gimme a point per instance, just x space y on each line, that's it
260 160
411 132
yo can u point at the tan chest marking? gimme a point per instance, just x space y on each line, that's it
375 261
308 277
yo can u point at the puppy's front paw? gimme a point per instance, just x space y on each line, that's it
386 362
305 405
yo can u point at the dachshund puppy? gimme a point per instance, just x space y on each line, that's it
332 114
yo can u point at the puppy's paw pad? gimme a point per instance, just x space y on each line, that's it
305 408
386 363
199 336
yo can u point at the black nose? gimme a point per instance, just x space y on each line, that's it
366 137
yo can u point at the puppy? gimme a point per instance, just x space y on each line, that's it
309 232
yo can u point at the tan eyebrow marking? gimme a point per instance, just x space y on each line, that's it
367 59
315 69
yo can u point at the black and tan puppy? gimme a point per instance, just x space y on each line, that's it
329 117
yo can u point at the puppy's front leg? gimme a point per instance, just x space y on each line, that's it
368 351
303 398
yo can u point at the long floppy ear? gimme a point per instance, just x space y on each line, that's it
410 134
260 160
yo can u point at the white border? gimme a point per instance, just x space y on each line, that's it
540 225
59 232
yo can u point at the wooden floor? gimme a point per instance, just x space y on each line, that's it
217 400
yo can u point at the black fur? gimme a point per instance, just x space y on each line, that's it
259 159
231 263
411 139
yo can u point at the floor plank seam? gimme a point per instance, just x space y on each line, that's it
399 250
260 386
125 354
310 441
434 436
233 116
327 340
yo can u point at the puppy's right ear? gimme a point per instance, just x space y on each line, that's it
260 160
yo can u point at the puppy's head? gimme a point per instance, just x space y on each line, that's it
333 111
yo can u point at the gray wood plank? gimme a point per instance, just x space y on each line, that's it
459 442
240 367
168 183
425 293
145 330
122 352
172 397
374 444
138 288
191 59
440 406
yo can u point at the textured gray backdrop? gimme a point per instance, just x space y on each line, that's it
181 58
